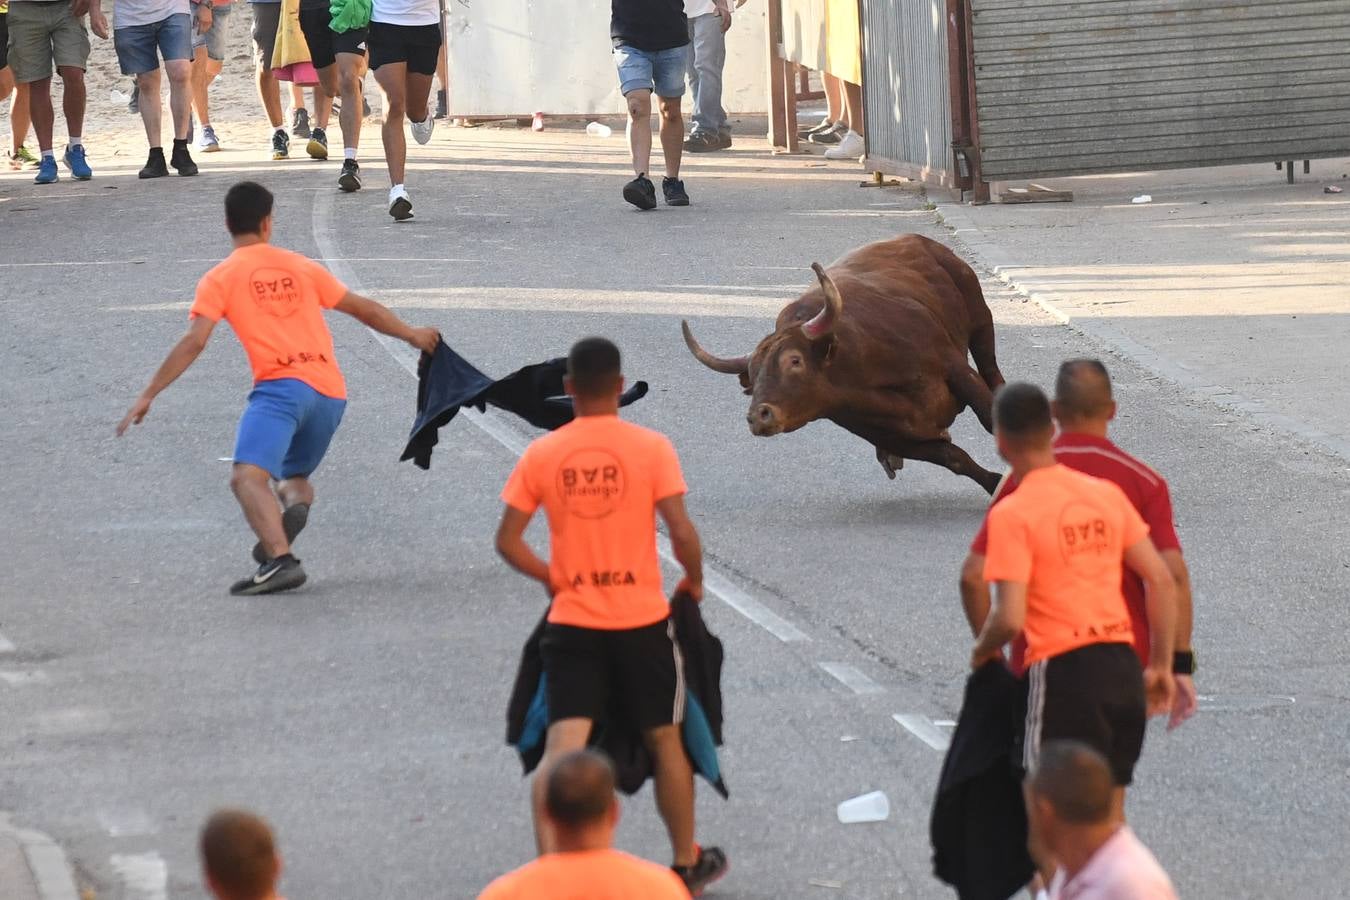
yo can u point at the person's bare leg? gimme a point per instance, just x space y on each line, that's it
674 790
72 98
640 129
251 486
297 97
180 95
323 107
295 490
20 119
40 107
416 97
853 106
151 114
834 97
348 72
204 71
392 79
269 92
564 736
672 134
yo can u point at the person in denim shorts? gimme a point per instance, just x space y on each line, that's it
209 40
650 51
143 32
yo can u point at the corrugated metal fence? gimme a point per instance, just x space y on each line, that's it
906 89
1069 87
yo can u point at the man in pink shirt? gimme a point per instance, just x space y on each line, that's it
1069 812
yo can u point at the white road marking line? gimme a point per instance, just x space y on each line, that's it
127 823
6 646
945 723
714 582
852 678
145 875
18 679
923 728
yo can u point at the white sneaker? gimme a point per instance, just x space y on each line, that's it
421 131
850 146
400 204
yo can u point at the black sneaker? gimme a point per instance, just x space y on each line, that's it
280 574
640 192
825 125
350 179
155 167
711 865
724 139
292 522
673 188
832 135
281 144
181 160
318 144
703 142
300 128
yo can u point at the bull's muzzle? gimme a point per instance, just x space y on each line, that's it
765 420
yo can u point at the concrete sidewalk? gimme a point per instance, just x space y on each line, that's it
32 867
1230 282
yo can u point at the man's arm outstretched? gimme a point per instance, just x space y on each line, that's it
378 316
183 355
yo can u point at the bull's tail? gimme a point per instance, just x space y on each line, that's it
981 344
982 349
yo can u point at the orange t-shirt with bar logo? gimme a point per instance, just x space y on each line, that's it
274 300
599 479
1063 534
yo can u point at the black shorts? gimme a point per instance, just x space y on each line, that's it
325 43
1095 695
636 673
417 45
266 16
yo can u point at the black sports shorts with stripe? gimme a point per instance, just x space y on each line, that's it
636 672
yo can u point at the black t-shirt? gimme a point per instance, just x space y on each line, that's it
648 24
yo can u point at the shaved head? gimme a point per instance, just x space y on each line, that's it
1022 415
1075 781
1083 390
580 789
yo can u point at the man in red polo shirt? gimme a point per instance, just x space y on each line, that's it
1083 408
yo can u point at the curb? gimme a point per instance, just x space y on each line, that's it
47 865
958 219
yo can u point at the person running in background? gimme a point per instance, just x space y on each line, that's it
239 857
609 640
405 42
1084 408
17 94
210 39
650 40
274 300
46 35
1097 857
709 21
340 59
266 20
581 813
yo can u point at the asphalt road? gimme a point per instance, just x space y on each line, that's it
364 714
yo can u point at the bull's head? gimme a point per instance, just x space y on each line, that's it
786 377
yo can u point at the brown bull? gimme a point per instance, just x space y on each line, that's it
879 347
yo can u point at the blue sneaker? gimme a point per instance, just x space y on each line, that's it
47 173
75 161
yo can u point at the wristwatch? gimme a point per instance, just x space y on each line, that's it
1183 662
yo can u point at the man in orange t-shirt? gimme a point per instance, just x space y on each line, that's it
1057 547
581 813
274 300
609 641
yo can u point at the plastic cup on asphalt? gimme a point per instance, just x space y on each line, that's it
873 807
595 129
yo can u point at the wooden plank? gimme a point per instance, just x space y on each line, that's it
1034 193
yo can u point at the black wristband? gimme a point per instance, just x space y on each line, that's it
1183 662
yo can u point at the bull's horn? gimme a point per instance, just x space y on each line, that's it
823 322
735 366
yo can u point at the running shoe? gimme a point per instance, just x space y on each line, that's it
281 574
22 157
209 142
421 131
850 146
673 189
318 144
47 173
831 135
76 163
300 126
704 142
350 179
281 144
400 204
640 192
825 125
155 167
293 521
181 160
711 865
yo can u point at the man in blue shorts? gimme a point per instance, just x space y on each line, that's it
274 300
651 40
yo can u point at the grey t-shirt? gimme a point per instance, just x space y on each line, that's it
146 12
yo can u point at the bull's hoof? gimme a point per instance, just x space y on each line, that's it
891 464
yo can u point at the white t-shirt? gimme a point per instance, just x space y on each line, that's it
406 12
146 12
695 8
1121 869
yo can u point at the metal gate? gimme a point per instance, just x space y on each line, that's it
1074 87
907 92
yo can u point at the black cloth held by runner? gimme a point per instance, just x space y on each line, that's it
979 823
447 382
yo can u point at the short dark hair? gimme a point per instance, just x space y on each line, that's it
1083 389
580 788
238 854
594 365
1022 413
1076 780
246 205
